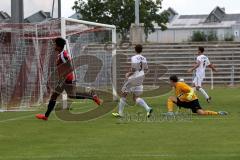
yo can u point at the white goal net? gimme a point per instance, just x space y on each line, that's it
27 63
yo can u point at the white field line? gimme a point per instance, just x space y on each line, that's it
17 118
85 156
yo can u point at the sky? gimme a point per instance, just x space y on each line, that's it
181 6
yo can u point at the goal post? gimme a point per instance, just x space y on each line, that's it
66 33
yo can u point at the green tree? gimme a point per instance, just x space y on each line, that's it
198 36
121 13
212 36
229 37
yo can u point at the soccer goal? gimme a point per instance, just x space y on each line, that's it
27 63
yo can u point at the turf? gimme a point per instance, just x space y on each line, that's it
22 137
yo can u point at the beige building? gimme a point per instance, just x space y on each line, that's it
181 27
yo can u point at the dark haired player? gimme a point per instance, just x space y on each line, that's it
186 98
200 67
67 80
133 84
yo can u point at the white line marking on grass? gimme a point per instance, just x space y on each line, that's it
83 107
86 156
154 97
14 119
150 155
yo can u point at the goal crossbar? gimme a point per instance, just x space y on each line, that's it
114 42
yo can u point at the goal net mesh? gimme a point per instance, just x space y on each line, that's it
28 71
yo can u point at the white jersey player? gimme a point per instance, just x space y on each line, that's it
134 79
200 67
134 83
200 70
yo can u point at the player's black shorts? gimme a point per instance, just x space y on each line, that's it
193 105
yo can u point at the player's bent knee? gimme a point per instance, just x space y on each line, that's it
201 112
138 100
173 99
54 96
135 98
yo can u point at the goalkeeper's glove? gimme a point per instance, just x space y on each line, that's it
190 95
170 114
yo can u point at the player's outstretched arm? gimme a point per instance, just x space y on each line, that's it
188 90
146 70
194 67
131 72
212 67
127 75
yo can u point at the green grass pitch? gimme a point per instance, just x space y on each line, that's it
22 137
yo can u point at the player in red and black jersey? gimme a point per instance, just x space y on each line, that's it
67 80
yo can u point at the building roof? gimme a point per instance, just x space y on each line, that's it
76 16
231 17
39 16
193 16
172 13
216 15
216 19
4 17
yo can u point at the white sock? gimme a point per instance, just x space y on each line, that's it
142 103
204 93
121 105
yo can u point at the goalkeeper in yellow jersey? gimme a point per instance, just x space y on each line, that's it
186 98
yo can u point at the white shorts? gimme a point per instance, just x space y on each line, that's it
134 84
137 90
198 81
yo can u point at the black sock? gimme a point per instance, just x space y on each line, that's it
83 96
51 105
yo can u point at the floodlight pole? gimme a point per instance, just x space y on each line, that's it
137 4
59 9
53 7
17 11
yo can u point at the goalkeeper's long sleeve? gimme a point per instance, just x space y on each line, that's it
190 94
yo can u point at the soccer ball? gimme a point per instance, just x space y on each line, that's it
181 80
